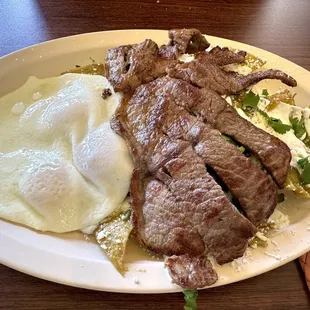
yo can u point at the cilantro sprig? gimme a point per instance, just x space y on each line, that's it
304 164
299 128
190 297
277 124
251 101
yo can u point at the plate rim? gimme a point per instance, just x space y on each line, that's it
126 290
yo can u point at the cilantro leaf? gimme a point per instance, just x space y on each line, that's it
278 126
298 126
92 60
250 100
190 297
275 123
265 93
228 139
263 113
304 164
241 149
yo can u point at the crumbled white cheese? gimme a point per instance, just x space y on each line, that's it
18 108
236 265
186 57
253 245
276 247
239 263
86 237
261 236
281 220
36 96
245 70
278 257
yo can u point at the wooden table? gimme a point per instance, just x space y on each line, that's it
280 26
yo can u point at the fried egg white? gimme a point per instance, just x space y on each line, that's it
62 168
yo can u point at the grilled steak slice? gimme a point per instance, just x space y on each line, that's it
274 154
213 109
184 41
191 272
205 71
129 66
184 211
173 182
255 191
271 151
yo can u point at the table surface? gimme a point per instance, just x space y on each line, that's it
279 26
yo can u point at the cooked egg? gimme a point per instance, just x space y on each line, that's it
62 168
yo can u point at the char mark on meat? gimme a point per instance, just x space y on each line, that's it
191 272
205 72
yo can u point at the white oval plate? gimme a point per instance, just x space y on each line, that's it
70 258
